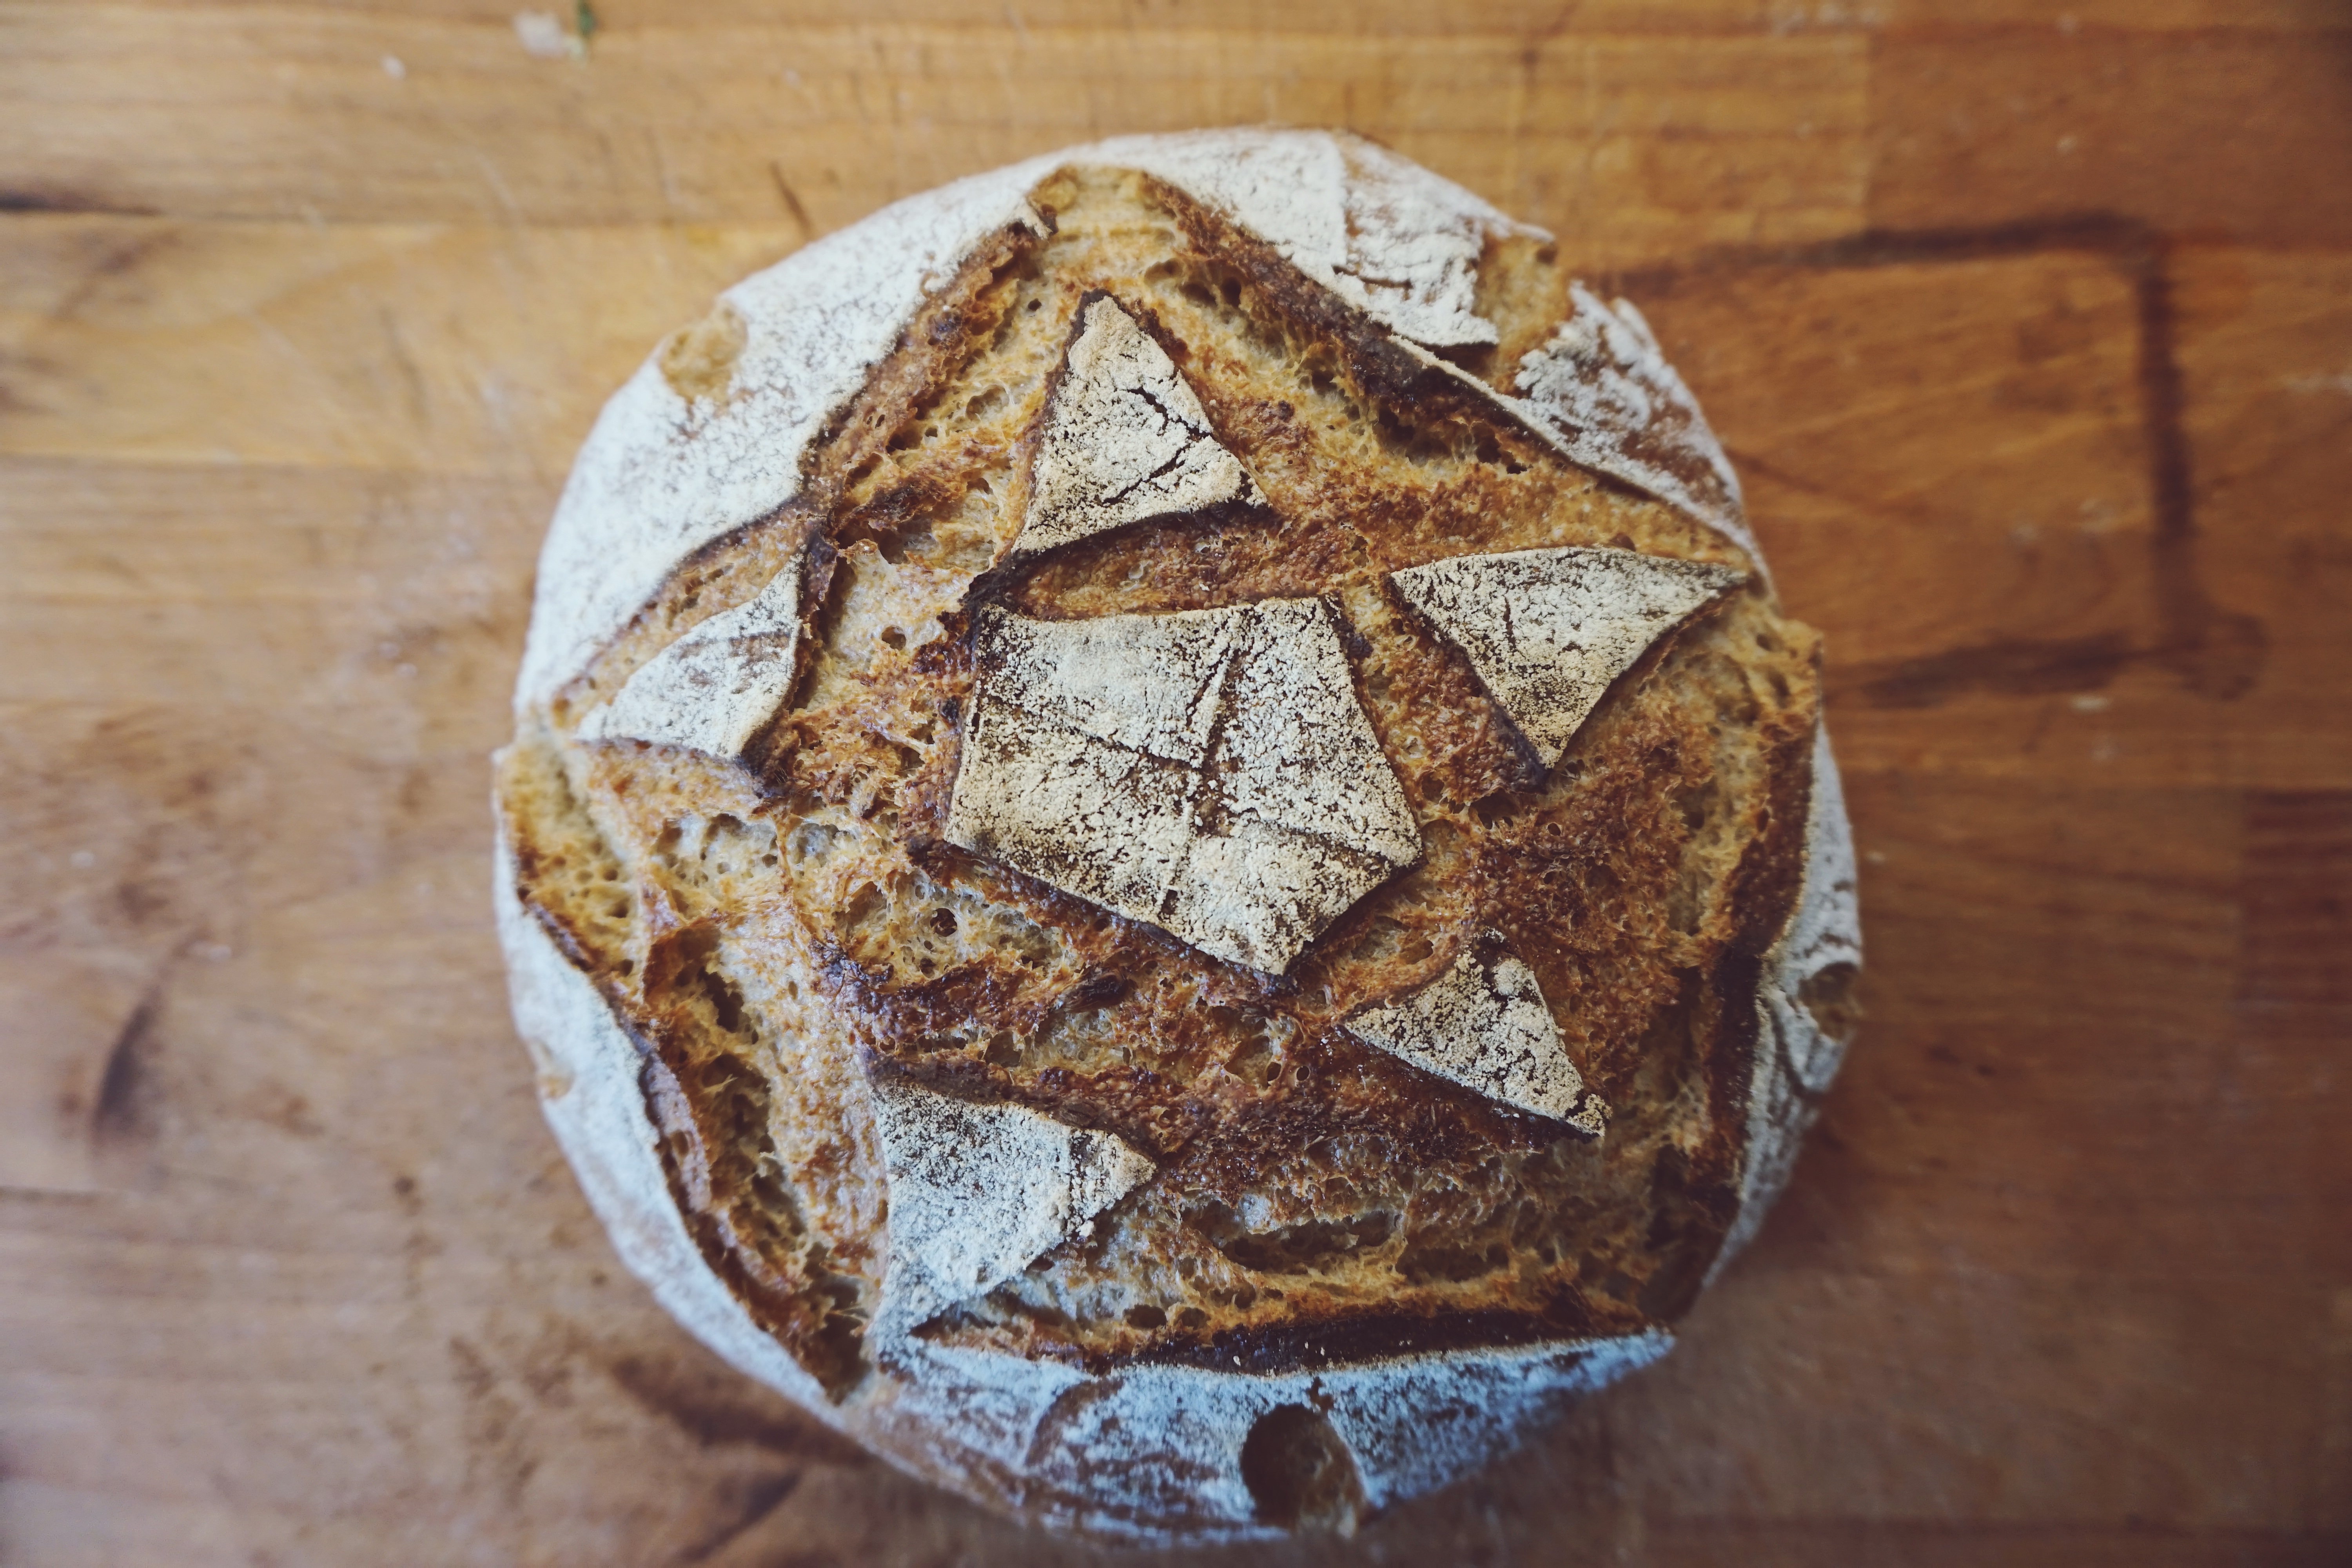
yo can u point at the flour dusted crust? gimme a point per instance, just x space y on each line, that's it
1164 851
1207 771
1123 439
1549 631
1485 1024
977 1191
716 686
1803 1006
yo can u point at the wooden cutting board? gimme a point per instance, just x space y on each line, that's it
2031 334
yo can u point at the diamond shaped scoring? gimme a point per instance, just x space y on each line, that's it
1210 772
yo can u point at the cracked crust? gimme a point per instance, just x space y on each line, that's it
1123 438
730 957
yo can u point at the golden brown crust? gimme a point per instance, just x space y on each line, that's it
767 932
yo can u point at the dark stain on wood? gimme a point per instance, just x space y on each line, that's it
742 1505
2295 900
2022 669
32 200
2215 653
498 1439
721 1411
126 1091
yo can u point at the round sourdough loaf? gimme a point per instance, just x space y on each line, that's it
1164 849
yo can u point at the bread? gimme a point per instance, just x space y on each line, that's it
1164 849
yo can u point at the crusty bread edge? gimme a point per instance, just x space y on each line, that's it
1795 1058
1047 1441
591 1090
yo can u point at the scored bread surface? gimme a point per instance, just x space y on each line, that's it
1123 438
1058 922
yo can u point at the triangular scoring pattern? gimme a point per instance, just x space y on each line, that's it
1549 630
1484 1024
978 1192
1096 760
717 686
1125 439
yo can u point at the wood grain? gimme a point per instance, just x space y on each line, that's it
2031 333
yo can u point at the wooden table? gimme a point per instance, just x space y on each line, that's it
2032 335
